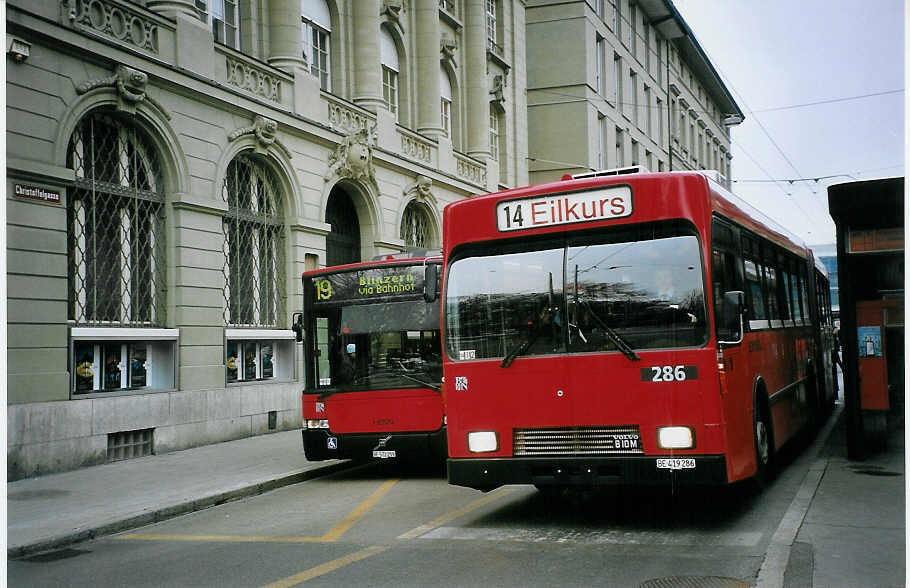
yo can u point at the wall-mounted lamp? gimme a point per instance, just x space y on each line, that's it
17 48
732 120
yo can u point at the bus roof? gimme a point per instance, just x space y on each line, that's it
717 198
766 223
419 257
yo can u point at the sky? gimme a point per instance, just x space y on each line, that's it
775 56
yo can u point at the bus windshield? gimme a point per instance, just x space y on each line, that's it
378 346
618 291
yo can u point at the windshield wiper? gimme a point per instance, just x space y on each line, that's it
419 381
520 348
615 337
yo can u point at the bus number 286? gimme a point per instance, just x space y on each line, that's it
671 373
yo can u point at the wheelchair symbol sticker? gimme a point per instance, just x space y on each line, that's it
332 442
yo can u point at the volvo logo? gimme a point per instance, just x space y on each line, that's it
382 442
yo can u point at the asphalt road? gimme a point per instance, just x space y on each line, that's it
388 525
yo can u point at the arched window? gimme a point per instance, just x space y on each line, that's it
317 33
445 106
253 231
388 54
416 227
116 225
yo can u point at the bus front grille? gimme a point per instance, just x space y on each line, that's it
615 440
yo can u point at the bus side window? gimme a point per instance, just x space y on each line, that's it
724 279
756 301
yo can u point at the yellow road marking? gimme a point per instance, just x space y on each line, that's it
355 515
340 562
333 534
327 567
226 538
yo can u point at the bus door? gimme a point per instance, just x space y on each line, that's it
735 347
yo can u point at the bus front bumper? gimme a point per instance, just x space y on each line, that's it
320 444
486 474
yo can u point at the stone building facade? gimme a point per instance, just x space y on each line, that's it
174 165
627 84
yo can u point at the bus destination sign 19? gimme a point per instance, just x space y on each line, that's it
369 284
561 209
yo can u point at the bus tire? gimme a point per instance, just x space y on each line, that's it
763 435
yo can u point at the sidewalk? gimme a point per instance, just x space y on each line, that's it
58 509
855 523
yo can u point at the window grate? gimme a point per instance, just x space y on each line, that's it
415 227
253 245
129 444
116 222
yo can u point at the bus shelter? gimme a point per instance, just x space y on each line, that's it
869 216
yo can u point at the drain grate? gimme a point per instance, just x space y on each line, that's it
872 470
695 582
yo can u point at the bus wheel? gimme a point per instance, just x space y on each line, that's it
764 445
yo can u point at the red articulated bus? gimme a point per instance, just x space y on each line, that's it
373 360
627 328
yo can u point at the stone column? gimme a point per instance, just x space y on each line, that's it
285 41
429 120
171 8
194 46
478 92
367 66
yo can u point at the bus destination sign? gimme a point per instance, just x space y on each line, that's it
370 284
561 209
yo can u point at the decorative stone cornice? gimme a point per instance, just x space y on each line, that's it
131 89
420 188
392 9
447 49
265 132
353 158
498 97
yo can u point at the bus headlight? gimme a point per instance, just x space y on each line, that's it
482 441
675 438
317 424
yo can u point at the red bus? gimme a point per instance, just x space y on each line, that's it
373 360
627 329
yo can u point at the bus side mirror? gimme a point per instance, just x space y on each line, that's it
430 279
731 318
297 326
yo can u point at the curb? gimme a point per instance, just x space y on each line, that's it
168 512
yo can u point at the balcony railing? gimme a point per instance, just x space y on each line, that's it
119 20
252 76
345 117
470 170
416 147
